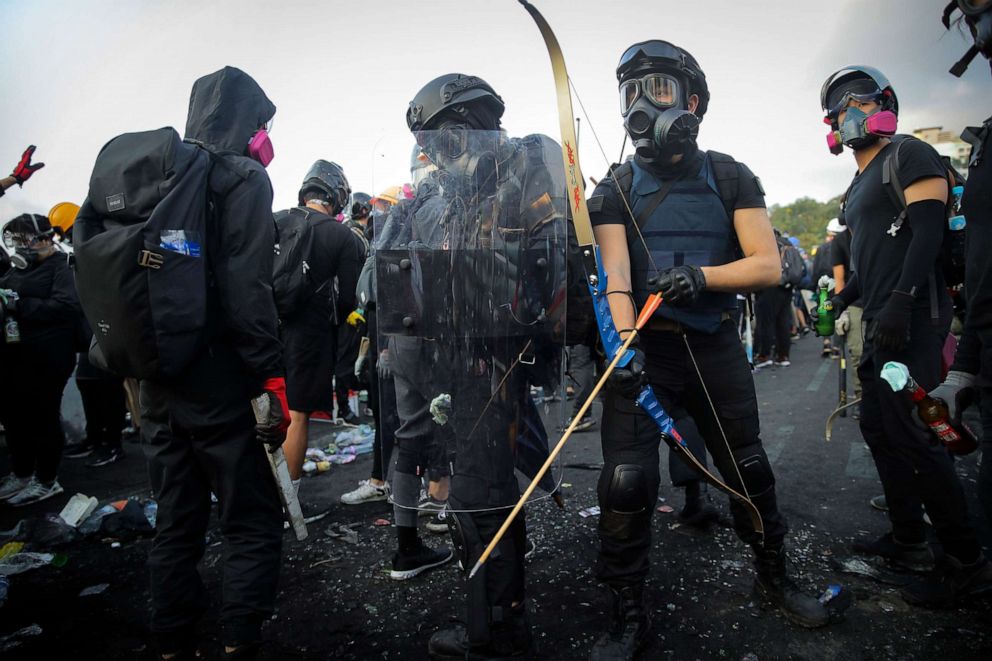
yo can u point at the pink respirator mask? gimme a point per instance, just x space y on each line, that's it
857 126
260 148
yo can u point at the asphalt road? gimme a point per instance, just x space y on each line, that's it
337 600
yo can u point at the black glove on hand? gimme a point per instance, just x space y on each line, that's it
892 323
681 285
24 169
628 381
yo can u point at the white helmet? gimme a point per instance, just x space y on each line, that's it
834 226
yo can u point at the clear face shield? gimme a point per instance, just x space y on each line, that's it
470 293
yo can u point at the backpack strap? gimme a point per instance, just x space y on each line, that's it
893 187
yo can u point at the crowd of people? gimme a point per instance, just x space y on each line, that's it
181 300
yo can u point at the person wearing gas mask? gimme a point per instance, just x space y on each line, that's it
691 225
40 312
468 289
310 331
972 366
907 315
198 430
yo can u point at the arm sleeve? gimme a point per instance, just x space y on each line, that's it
851 291
967 358
62 304
750 193
349 266
243 272
926 219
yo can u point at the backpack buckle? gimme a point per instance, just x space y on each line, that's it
150 260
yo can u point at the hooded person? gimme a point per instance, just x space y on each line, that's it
40 311
198 430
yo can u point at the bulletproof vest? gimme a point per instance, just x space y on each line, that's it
690 226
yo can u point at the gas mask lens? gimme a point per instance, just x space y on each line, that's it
448 143
661 90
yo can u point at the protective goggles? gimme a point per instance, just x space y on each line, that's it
658 88
21 240
449 142
862 91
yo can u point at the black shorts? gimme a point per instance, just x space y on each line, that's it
310 355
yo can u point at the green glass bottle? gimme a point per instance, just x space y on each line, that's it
824 309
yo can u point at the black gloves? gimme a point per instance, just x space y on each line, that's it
681 285
628 381
891 326
24 169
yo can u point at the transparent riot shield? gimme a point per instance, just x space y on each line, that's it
470 291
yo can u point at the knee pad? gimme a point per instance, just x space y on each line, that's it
755 470
627 502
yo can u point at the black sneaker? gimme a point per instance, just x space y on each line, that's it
408 565
79 449
104 456
438 523
949 582
351 420
879 503
914 557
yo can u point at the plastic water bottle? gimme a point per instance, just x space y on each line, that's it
11 330
957 222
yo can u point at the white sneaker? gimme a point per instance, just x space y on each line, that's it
12 485
365 493
35 492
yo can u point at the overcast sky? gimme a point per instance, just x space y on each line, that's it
341 73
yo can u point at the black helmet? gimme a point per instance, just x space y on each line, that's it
329 178
361 205
661 56
857 81
451 92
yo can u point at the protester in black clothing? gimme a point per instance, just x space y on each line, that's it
774 312
690 351
849 321
907 315
972 367
40 313
310 333
199 431
105 407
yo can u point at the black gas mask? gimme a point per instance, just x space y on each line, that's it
979 21
466 159
657 119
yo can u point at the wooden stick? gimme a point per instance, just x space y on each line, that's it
653 302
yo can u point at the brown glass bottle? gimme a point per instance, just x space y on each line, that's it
958 439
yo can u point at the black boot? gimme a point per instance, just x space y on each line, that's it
772 584
510 639
698 511
630 623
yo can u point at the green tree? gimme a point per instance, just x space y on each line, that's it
805 218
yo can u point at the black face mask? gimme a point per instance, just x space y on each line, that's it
979 22
659 135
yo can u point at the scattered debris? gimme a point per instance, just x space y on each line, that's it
94 589
589 511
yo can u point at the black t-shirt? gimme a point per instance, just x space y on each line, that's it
840 255
975 351
877 256
610 210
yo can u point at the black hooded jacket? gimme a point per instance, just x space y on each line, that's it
225 109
